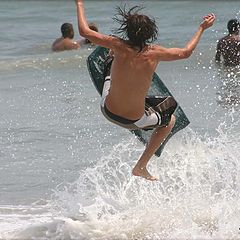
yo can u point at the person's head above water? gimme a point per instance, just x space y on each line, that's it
93 27
137 28
233 26
67 30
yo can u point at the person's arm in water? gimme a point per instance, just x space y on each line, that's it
218 53
170 54
95 37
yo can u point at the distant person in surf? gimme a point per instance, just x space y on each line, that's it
135 60
66 41
228 47
86 41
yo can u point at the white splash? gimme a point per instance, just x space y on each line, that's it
197 196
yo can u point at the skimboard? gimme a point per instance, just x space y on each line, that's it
96 67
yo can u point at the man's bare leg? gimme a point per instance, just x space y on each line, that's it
157 138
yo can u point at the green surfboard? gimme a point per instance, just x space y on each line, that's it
96 67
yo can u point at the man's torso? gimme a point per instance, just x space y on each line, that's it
230 49
131 76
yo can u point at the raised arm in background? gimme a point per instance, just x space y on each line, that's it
95 37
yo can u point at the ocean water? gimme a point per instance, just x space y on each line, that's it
65 172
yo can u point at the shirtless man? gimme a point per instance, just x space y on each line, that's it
66 41
229 46
135 60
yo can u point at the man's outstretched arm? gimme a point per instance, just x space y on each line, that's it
95 37
170 54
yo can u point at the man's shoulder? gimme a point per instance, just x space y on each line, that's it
155 49
229 39
56 46
223 41
155 46
237 38
70 44
57 41
223 38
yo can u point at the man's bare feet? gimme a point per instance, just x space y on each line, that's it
143 172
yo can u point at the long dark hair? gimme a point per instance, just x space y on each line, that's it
137 28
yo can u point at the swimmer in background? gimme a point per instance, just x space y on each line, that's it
86 41
66 41
228 47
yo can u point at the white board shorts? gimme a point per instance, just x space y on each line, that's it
158 111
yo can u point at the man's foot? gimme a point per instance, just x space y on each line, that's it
143 172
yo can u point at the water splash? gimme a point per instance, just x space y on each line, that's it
197 193
197 196
229 87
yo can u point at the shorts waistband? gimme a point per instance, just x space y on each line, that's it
117 118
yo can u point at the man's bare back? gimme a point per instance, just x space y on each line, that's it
131 76
229 46
62 44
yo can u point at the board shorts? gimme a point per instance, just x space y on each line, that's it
158 111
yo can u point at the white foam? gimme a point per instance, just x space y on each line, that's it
197 196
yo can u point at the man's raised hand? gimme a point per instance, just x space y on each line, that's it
78 1
208 21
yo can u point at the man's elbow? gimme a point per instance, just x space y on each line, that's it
186 53
84 32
